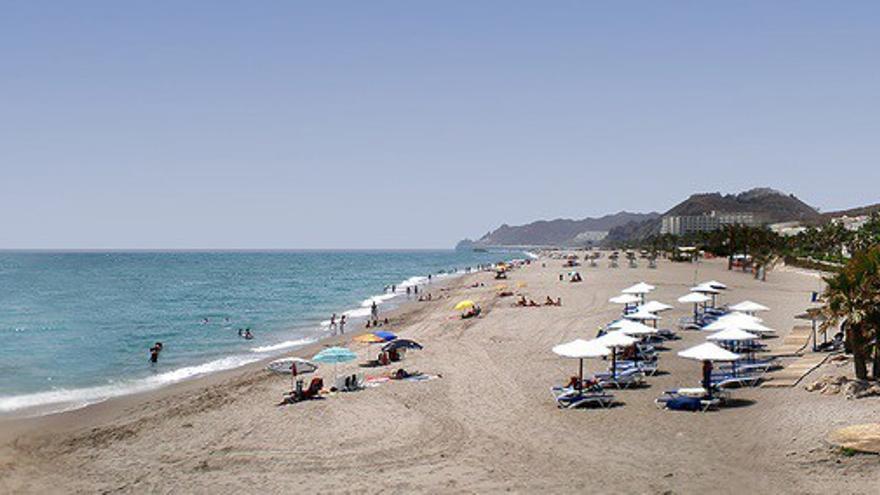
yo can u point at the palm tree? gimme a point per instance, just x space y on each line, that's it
852 298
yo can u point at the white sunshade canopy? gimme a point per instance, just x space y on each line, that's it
289 364
694 297
708 352
705 289
715 285
581 349
749 307
641 316
625 299
633 328
654 307
639 288
740 323
615 339
737 316
732 334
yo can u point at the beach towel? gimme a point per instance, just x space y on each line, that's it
684 404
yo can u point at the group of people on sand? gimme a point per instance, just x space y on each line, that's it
376 323
530 303
340 326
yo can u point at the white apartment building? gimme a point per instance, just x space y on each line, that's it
686 224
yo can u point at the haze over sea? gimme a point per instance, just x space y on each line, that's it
77 326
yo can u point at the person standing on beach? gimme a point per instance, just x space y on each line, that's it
342 325
408 291
333 326
374 311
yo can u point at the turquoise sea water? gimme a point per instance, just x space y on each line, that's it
76 326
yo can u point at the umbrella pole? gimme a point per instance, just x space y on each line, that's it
581 375
614 363
707 378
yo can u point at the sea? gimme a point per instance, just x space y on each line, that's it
76 327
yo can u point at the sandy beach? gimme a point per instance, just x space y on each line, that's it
487 424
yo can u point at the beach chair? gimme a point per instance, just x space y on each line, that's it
622 379
723 381
571 398
313 392
686 403
691 399
646 367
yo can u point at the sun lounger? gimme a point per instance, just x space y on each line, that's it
570 398
622 379
313 392
731 381
646 367
685 403
690 399
753 367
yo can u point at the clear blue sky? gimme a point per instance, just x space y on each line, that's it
407 124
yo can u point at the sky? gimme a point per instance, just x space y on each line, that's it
404 124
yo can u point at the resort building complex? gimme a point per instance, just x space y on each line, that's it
686 224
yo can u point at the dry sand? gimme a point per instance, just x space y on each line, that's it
488 425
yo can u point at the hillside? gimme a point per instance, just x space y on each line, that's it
852 212
559 232
768 205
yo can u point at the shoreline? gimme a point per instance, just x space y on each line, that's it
313 330
20 421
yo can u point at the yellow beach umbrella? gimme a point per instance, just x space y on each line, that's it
467 303
368 338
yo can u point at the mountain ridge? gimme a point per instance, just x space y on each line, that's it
556 232
767 204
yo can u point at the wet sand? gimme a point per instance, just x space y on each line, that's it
488 425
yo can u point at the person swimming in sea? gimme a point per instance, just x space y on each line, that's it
154 352
247 334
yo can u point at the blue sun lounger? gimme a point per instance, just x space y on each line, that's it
570 398
690 399
622 379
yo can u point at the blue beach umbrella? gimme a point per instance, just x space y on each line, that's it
388 336
334 355
401 344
